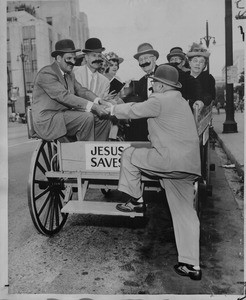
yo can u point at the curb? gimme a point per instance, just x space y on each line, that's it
230 156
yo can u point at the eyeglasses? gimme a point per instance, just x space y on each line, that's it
196 61
175 59
147 58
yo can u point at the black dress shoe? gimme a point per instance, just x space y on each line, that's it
188 270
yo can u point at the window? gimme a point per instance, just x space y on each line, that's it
34 66
33 45
26 45
28 32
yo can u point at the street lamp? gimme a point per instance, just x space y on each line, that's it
23 57
207 38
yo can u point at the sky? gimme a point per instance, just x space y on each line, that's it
122 25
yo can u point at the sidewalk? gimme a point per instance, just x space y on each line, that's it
232 143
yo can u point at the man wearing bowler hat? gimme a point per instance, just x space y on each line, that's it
88 74
174 156
146 57
62 106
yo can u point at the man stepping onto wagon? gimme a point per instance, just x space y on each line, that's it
174 157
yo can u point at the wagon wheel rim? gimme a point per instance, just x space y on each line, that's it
46 195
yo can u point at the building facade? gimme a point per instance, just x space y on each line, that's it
33 28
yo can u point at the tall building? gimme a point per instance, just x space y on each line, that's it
33 28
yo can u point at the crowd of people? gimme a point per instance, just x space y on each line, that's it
72 101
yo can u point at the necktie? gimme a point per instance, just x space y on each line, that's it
64 76
92 83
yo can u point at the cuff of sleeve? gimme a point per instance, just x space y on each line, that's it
112 110
89 106
97 100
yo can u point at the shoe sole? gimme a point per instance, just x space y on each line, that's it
192 276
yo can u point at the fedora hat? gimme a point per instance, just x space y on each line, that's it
113 56
146 48
64 46
93 45
176 51
197 50
168 75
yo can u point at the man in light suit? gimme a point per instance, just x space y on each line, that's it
61 106
88 75
174 157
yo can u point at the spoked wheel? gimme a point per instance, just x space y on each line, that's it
46 195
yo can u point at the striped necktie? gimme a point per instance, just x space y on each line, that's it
64 76
92 83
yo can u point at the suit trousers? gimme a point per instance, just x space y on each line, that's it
86 126
179 189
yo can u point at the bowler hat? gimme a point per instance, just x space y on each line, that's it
64 46
93 45
146 48
176 51
168 75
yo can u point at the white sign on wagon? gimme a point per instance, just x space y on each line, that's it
104 156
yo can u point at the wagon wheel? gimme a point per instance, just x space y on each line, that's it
45 195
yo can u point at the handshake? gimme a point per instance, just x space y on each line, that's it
103 108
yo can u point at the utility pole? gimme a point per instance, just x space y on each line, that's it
229 126
22 57
207 38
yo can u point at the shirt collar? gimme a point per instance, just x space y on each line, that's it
90 73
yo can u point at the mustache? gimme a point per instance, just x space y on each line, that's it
70 63
145 64
97 61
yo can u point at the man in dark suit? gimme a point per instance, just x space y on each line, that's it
61 106
146 57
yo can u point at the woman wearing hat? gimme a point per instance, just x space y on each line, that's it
174 156
113 67
198 59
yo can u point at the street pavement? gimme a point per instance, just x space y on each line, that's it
232 143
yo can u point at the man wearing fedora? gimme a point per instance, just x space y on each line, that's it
146 57
88 75
61 106
191 89
174 156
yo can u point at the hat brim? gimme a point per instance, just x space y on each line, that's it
182 56
93 50
196 53
57 52
119 59
177 85
154 52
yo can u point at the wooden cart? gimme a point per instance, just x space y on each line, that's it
61 174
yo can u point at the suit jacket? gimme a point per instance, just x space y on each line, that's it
102 85
172 131
207 84
138 129
52 96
